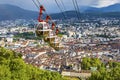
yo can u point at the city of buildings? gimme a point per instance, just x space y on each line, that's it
99 38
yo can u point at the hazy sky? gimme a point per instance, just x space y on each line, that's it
50 4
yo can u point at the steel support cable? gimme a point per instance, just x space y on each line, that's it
38 2
75 9
76 5
47 12
35 4
64 8
60 9
39 8
41 4
63 5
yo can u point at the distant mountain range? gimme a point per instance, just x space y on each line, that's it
10 12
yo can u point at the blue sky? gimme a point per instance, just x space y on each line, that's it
51 6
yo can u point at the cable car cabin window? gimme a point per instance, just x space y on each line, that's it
40 26
51 34
46 26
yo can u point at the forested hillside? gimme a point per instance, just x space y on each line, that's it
12 67
105 71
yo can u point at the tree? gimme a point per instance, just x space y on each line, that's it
5 73
90 62
12 67
104 74
18 69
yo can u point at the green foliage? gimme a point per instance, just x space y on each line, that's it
60 35
90 62
113 73
103 73
5 73
106 75
26 35
71 78
12 67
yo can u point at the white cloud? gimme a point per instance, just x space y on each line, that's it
51 6
104 3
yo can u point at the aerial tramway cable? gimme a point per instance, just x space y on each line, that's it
76 9
35 4
64 8
38 2
38 6
50 18
47 17
41 4
63 5
76 5
60 9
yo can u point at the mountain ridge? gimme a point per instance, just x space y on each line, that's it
10 12
13 12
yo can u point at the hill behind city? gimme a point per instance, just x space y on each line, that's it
10 12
